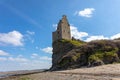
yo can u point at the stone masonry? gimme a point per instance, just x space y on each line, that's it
63 30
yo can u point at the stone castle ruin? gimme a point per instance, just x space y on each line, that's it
63 30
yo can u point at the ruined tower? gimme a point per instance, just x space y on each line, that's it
63 30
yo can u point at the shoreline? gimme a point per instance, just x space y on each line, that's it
61 76
105 72
20 73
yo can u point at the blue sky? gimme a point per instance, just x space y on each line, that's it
26 28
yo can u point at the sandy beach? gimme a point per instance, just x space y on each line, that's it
105 72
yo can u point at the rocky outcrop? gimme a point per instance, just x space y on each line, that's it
60 49
69 54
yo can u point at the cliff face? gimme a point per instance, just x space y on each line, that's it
69 54
60 49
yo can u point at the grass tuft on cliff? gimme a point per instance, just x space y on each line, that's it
74 42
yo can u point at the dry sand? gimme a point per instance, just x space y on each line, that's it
105 72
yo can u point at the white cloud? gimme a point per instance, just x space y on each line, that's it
28 36
54 26
47 50
3 58
45 58
115 36
37 57
30 32
35 64
34 55
87 12
14 38
19 58
3 53
99 37
21 63
38 62
76 34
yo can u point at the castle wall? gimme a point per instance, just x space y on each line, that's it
63 30
66 31
54 34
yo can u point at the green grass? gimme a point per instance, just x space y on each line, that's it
99 55
75 57
74 42
95 57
